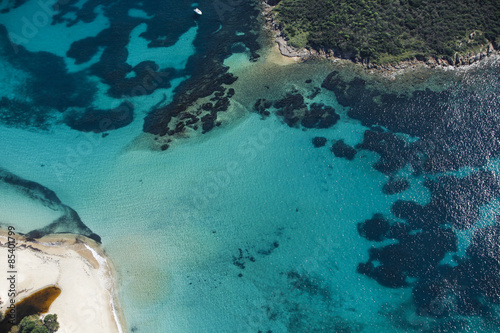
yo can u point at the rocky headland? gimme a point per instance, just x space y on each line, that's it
458 60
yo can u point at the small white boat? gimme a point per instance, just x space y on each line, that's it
197 11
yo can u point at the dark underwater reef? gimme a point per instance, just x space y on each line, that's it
12 5
112 68
207 92
52 90
456 128
69 222
48 91
295 112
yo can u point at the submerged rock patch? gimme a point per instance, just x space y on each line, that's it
295 112
395 185
98 121
341 149
319 141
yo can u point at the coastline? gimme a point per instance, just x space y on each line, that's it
287 50
79 267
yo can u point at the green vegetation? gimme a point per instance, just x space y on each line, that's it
384 31
33 324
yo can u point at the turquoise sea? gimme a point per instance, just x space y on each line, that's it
235 191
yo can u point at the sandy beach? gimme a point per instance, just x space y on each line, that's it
75 264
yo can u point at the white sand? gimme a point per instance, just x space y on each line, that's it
77 266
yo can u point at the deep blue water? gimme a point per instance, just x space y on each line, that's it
235 193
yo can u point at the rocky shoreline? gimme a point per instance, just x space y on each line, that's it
287 50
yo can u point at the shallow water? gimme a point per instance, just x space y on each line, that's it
249 227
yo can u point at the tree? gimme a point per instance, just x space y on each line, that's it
50 321
33 324
27 324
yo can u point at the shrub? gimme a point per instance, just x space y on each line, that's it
33 324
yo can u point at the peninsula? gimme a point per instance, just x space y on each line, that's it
385 32
78 272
